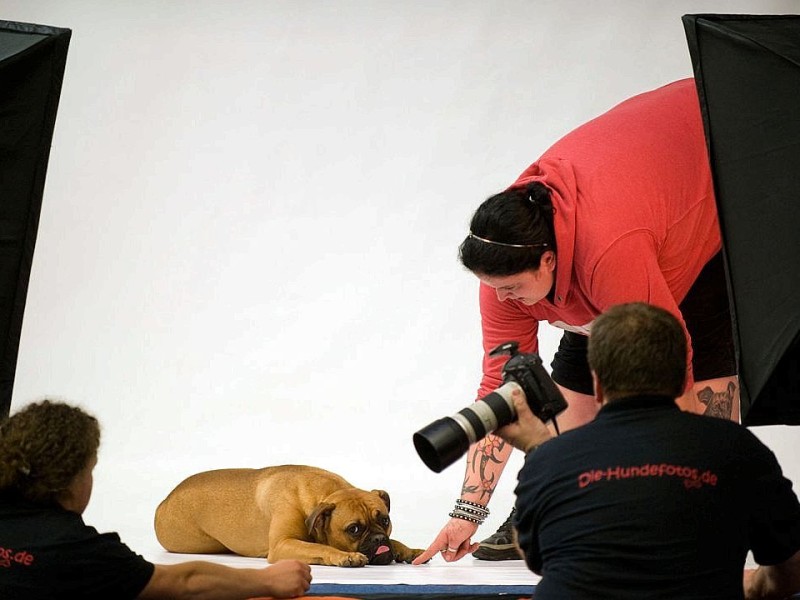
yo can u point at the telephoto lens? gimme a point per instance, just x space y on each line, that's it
445 440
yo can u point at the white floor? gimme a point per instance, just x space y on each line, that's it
467 571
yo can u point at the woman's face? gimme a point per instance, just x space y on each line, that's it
76 497
527 287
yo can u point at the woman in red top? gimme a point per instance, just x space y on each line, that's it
621 209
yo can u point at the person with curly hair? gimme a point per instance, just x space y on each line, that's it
48 451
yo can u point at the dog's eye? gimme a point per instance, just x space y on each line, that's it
385 521
355 529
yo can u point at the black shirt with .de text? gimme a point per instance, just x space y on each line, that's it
650 501
49 552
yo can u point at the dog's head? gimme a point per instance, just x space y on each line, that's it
354 520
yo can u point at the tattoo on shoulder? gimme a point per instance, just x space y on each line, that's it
718 404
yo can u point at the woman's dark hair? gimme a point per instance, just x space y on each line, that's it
520 216
43 447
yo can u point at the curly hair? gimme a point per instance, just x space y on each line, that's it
43 447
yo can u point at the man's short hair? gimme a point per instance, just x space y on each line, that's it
638 348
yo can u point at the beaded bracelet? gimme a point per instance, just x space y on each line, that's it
456 515
473 511
470 511
475 504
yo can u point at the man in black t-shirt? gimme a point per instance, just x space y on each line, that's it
647 500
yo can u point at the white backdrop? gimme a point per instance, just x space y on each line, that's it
248 244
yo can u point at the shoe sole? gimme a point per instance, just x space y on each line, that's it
496 554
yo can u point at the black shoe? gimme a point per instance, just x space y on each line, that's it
500 545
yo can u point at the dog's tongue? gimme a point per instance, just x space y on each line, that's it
381 550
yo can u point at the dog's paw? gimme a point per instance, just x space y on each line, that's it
404 554
408 558
352 559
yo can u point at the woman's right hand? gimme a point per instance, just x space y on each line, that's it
454 542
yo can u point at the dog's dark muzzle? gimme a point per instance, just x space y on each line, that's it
378 548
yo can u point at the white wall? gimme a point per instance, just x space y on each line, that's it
248 244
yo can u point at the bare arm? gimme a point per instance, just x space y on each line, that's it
487 458
773 582
485 462
201 580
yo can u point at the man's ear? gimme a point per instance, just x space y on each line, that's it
598 389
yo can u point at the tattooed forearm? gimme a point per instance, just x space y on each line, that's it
483 454
718 404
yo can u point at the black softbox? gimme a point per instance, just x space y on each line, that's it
747 71
32 60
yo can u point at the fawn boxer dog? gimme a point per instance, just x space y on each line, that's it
287 511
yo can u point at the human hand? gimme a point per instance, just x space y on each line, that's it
453 542
288 578
527 431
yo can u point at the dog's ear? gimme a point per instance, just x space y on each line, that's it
383 496
705 395
317 521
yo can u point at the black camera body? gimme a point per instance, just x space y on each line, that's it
442 442
541 393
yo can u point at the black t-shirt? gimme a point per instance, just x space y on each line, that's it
48 553
650 501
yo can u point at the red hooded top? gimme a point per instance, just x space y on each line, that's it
635 219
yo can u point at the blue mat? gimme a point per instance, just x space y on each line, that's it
407 592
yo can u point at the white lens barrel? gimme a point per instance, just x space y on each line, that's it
486 415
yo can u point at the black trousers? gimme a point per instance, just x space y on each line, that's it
707 313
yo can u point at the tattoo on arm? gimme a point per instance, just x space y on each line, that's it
483 454
718 404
